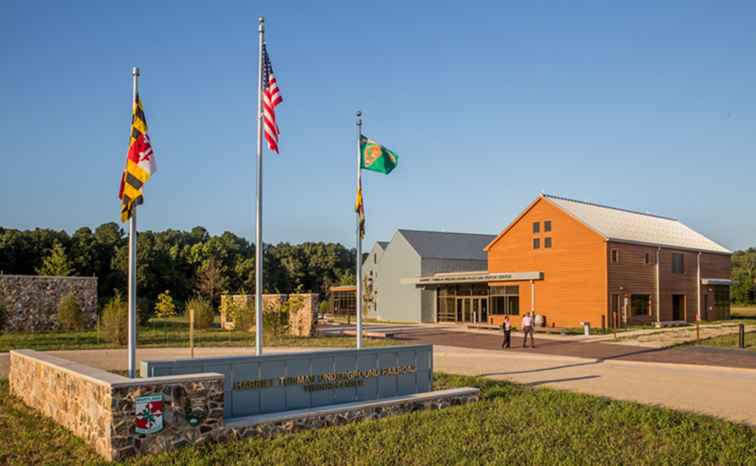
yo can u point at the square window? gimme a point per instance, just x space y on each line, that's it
547 226
547 242
536 243
536 227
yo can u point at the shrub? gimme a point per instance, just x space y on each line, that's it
69 313
323 308
243 317
165 308
203 312
115 321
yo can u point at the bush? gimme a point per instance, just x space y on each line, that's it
115 321
69 313
324 308
203 312
165 308
243 317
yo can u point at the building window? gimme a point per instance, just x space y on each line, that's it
505 300
547 226
615 256
639 304
536 243
536 227
375 258
647 259
547 243
678 263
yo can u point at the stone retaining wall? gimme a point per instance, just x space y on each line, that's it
99 406
31 301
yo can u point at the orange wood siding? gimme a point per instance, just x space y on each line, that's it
574 287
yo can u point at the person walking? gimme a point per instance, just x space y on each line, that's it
507 327
527 328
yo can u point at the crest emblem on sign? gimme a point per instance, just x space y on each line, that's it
372 153
149 414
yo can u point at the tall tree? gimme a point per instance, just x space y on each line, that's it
212 279
56 263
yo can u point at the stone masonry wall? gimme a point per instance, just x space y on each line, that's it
302 320
31 301
99 407
81 404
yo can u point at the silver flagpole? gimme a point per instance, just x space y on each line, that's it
358 277
258 220
132 260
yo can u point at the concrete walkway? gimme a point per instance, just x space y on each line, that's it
718 391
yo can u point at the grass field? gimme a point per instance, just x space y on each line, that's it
743 312
166 333
512 424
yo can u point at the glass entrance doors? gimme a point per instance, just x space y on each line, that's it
473 310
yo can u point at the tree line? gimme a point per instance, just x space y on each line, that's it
184 262
743 289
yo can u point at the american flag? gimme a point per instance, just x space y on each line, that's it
271 99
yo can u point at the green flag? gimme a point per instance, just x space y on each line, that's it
376 157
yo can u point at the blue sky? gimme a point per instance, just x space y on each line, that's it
633 104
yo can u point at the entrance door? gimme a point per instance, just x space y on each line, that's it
678 307
459 309
475 318
467 310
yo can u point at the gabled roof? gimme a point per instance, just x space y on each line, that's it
636 227
443 245
628 226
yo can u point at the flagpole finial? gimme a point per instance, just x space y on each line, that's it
135 71
261 22
359 118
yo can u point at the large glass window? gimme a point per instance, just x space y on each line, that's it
505 300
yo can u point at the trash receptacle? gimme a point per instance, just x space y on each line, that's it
586 328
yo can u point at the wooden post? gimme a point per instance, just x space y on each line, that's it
741 336
191 332
698 330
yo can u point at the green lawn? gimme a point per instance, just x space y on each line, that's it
166 333
513 424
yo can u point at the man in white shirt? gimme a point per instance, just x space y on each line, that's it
527 328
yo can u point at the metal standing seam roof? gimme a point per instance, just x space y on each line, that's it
443 245
382 244
636 227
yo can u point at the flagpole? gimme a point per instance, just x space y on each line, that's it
133 259
258 211
358 277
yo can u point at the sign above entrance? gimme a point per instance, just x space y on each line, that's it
471 277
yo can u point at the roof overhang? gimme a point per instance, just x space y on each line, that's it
716 281
470 277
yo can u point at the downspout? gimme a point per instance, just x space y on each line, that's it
658 285
532 297
698 288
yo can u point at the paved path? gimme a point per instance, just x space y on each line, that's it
717 391
575 347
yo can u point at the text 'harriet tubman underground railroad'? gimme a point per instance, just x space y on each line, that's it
325 381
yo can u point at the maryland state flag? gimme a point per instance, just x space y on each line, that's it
140 162
359 207
376 157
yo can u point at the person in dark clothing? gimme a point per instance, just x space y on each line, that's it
507 327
